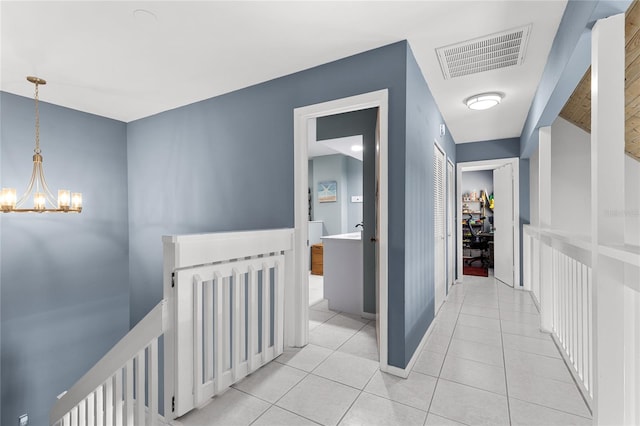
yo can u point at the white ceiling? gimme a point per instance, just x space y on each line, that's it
335 146
104 58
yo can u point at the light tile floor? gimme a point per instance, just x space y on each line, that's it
485 363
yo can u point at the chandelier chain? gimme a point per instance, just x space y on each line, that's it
37 149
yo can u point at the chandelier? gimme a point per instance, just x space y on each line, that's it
37 190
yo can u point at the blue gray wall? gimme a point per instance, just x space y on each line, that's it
332 214
354 187
502 148
415 239
340 216
188 166
65 288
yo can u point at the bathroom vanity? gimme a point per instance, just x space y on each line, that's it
343 272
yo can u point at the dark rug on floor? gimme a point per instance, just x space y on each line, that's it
475 270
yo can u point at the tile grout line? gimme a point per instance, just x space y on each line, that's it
575 383
504 362
435 388
309 373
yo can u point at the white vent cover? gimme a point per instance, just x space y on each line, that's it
486 53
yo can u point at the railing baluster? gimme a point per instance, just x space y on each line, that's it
218 345
128 408
572 306
82 413
278 339
140 388
580 331
91 409
153 382
118 399
73 421
253 318
243 321
208 331
108 402
100 405
199 348
266 318
236 334
226 323
585 326
590 334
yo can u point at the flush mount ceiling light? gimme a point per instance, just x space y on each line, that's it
484 100
37 190
356 148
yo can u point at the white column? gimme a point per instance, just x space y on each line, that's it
544 220
607 223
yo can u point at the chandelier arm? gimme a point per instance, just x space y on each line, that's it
47 193
29 190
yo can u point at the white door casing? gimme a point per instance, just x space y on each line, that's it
297 295
490 165
451 217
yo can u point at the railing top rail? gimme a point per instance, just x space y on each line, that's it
201 249
150 327
582 242
625 253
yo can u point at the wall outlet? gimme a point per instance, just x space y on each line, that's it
23 420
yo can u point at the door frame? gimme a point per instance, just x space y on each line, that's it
451 220
491 165
297 294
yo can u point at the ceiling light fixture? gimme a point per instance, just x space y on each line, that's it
356 148
484 100
43 200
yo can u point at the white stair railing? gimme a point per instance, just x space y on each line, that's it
565 264
114 391
558 271
221 318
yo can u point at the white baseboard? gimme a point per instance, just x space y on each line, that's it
404 372
367 315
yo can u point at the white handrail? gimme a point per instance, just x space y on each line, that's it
129 347
558 272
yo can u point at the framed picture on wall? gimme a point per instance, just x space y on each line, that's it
327 191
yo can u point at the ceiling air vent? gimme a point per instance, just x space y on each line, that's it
499 50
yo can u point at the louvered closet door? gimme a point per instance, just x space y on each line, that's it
439 186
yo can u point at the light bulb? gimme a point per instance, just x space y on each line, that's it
39 201
76 201
64 198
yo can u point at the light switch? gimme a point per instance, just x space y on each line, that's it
356 198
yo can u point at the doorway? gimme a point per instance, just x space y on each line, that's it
506 238
296 297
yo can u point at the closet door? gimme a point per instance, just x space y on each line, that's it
504 222
439 213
